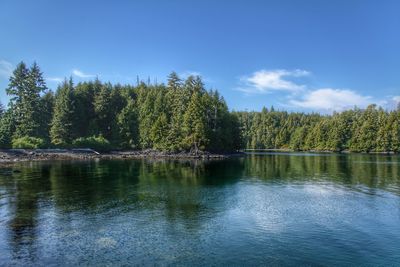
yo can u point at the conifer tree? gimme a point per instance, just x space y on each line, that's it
47 106
103 112
7 128
25 88
128 125
194 124
394 122
61 131
2 110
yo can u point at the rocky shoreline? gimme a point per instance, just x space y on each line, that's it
19 155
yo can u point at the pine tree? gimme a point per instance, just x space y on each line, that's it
84 115
384 133
297 138
128 125
394 122
103 112
365 135
47 106
159 131
61 131
194 124
2 110
146 116
7 128
174 82
25 88
177 99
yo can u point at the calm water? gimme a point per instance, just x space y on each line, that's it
276 209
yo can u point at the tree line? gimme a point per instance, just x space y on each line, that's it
359 130
179 116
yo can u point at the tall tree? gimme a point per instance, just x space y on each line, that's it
194 124
103 110
128 125
2 110
25 88
61 132
7 128
47 106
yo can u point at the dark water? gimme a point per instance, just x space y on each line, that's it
267 209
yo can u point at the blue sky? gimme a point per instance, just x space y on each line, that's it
296 55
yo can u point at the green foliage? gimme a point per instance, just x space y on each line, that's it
25 88
28 142
7 128
2 110
369 130
181 115
61 132
94 142
128 125
194 124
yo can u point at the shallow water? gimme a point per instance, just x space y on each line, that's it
266 208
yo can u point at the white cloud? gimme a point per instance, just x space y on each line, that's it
54 79
331 99
81 74
263 81
188 73
6 69
396 98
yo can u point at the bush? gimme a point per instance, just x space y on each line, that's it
28 142
93 142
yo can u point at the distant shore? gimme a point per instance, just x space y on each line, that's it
287 150
284 150
20 155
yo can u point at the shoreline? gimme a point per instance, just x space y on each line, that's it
287 150
24 155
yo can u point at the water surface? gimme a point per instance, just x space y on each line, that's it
266 208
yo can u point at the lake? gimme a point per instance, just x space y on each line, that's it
286 209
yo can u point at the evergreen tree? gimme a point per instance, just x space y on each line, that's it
25 88
384 133
2 110
366 134
194 124
128 125
159 131
394 122
47 106
61 131
84 115
103 108
7 128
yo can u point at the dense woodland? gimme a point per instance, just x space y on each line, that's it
179 116
359 130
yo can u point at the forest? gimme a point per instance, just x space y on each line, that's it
179 116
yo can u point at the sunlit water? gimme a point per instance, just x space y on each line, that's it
263 209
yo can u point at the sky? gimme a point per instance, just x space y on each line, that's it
298 55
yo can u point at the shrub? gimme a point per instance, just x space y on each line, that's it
93 142
28 142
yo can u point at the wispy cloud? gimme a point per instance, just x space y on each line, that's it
81 74
330 99
188 73
54 79
396 99
264 81
6 69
